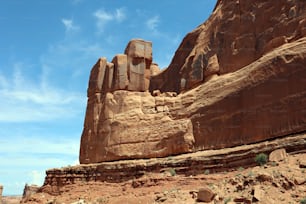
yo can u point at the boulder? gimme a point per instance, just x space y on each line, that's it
278 155
259 194
205 195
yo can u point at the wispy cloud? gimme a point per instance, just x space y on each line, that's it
32 147
29 154
23 100
152 23
120 14
69 25
37 177
103 17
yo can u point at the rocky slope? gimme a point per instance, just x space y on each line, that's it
237 79
282 180
185 164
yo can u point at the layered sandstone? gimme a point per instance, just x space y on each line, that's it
240 79
29 190
197 163
236 34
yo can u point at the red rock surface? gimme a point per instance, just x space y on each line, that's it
240 79
170 180
237 33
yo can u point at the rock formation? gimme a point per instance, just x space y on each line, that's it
237 79
197 163
29 190
1 190
236 34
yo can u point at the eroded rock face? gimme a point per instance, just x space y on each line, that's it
186 164
240 79
29 190
135 125
1 190
235 35
130 71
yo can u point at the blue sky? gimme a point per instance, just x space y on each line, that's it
47 48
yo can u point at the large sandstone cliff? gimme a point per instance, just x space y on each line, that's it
240 79
237 33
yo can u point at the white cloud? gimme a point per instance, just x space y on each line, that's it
120 14
40 145
69 25
103 17
37 177
153 22
25 100
24 158
62 56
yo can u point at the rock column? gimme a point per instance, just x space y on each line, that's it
129 71
1 190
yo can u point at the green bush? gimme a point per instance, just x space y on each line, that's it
303 201
206 172
261 159
227 200
172 172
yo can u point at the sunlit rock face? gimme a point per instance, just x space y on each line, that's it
238 78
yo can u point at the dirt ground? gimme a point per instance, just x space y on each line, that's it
275 182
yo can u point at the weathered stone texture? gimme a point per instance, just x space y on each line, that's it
1 190
186 164
121 80
29 190
131 128
239 78
237 33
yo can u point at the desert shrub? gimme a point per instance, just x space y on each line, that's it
261 159
273 163
303 201
227 200
250 174
206 172
102 200
172 172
